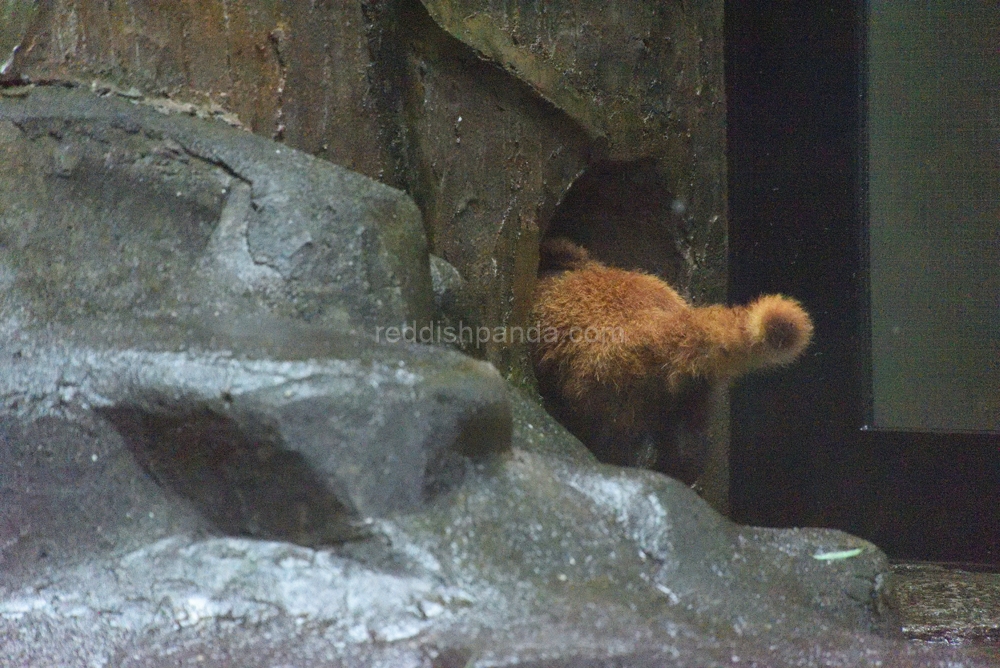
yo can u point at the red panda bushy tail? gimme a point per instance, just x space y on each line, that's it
779 328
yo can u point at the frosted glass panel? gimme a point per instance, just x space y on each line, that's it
934 204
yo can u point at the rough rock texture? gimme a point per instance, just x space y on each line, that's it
955 604
15 20
644 81
198 471
228 217
504 121
178 280
485 113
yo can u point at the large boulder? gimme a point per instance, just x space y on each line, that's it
227 218
226 306
211 459
505 122
486 113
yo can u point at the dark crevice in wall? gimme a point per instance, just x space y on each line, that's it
624 214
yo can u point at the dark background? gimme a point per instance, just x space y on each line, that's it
801 455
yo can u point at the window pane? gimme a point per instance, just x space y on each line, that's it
934 198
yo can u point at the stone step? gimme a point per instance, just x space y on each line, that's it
955 604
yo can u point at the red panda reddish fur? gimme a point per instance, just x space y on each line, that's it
624 361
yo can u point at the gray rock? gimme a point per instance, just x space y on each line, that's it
297 447
449 288
227 218
208 460
221 307
537 560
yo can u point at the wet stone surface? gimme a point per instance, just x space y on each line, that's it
227 218
503 121
947 604
208 460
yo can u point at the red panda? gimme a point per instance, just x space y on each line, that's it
628 365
